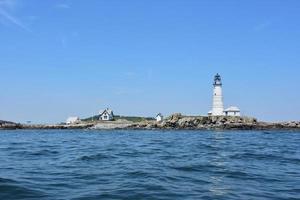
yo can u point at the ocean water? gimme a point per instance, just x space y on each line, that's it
79 165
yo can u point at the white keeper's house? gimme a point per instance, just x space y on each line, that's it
218 105
106 115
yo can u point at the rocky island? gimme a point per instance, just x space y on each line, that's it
217 119
173 122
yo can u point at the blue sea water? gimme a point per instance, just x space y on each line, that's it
86 165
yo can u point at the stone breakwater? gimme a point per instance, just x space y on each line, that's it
174 122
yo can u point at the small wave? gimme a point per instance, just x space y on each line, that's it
44 153
18 143
267 132
138 174
10 189
36 153
256 156
3 180
295 161
94 157
195 168
237 175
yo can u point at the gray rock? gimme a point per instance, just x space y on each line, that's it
9 125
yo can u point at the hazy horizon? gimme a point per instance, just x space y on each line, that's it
62 58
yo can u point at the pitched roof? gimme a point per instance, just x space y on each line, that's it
159 115
108 111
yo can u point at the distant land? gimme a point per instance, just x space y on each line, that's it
119 117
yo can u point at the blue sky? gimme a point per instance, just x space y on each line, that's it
61 58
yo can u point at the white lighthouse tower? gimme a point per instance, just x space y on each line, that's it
217 107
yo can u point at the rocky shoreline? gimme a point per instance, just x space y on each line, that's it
9 125
178 122
174 122
5 125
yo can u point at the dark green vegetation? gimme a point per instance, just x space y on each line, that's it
133 119
89 119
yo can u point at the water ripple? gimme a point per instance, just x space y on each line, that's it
87 165
10 189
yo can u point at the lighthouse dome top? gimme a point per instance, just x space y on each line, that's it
217 80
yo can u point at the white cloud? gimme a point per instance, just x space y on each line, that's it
8 4
5 7
13 20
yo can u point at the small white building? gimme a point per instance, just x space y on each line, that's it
73 120
106 115
232 111
209 113
159 117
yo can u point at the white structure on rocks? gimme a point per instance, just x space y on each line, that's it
73 120
232 111
159 117
106 115
217 105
